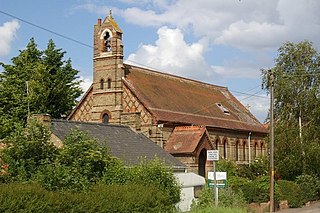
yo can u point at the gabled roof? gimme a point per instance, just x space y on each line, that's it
114 24
175 99
83 98
185 139
123 142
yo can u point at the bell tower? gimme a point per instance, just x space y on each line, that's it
108 71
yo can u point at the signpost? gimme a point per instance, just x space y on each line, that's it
213 155
221 178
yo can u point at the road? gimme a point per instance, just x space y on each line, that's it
313 208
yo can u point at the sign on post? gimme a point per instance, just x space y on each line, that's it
221 178
212 155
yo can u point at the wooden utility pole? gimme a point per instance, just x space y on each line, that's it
271 141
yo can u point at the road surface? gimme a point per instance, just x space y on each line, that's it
313 208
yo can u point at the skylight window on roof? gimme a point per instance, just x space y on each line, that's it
223 109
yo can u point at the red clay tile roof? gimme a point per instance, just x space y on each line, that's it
175 99
184 139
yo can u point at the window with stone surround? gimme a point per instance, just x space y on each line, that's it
109 83
101 84
244 151
225 146
237 150
105 118
217 143
255 150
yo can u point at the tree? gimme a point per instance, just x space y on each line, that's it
296 81
52 85
26 150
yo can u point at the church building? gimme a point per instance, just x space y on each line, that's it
183 116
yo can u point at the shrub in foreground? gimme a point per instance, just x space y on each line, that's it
227 198
103 198
310 186
291 192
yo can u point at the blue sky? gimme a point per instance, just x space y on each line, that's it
223 42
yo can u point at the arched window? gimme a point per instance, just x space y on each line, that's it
107 42
237 150
261 149
255 150
101 84
217 144
202 163
109 83
105 118
225 145
244 151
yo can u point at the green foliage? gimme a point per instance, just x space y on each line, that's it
79 165
258 168
227 198
52 83
288 153
297 96
257 190
102 198
156 173
227 166
27 150
310 187
291 192
210 209
231 198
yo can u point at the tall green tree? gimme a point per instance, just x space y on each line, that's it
296 80
52 85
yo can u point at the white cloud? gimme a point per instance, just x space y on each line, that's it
254 28
248 25
172 54
252 35
248 67
7 34
258 105
86 82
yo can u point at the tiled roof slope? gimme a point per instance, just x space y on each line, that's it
123 142
175 99
184 140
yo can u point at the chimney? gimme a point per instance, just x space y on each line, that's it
99 21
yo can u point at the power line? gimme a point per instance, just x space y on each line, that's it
250 95
48 30
91 47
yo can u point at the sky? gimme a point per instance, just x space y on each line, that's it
221 42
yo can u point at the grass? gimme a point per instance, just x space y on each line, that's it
212 209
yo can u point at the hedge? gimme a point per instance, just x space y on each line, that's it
116 198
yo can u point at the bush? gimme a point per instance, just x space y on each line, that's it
78 165
291 192
116 198
227 198
227 166
157 174
310 186
27 149
210 209
230 198
258 168
255 191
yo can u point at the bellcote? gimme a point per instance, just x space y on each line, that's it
107 38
